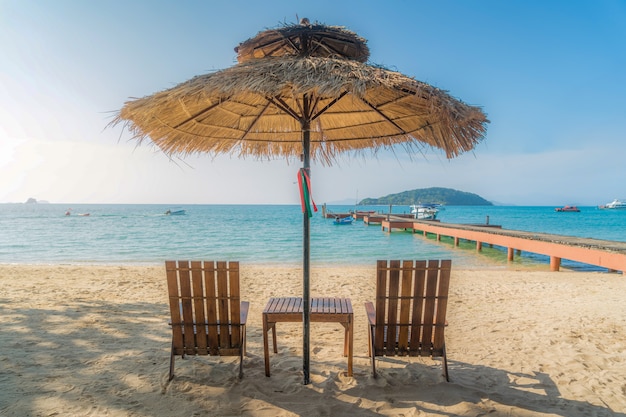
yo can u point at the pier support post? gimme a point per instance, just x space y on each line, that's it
555 263
438 237
479 246
509 254
456 241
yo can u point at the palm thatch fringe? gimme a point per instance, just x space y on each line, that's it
256 109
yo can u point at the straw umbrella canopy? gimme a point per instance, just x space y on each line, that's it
303 91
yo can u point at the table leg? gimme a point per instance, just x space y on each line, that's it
350 344
266 349
274 338
348 340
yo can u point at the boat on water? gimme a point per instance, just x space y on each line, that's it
364 212
343 220
572 209
614 205
69 213
425 211
176 212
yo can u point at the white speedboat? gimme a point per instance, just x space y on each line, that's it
615 204
424 211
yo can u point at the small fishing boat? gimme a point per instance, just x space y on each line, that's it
364 212
343 220
176 212
69 213
572 209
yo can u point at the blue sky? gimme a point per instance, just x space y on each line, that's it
549 74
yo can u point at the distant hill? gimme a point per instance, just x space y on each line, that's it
32 200
446 196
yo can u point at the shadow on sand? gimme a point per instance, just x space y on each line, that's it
90 358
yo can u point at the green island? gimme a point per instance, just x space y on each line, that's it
438 195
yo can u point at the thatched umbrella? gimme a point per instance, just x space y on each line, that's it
303 91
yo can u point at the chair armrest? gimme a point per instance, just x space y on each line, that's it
245 306
371 313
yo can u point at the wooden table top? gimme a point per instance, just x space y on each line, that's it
319 305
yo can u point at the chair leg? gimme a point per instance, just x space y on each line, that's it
445 364
370 337
171 364
241 364
242 352
243 338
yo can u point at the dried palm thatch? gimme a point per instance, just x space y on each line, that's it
305 39
256 109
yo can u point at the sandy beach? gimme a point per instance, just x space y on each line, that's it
94 341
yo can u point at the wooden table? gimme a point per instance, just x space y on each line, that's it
323 309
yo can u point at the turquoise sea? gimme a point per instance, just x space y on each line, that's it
266 234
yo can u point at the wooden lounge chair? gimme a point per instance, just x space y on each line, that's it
208 317
409 316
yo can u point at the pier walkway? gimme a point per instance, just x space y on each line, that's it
602 253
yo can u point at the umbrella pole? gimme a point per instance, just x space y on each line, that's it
306 298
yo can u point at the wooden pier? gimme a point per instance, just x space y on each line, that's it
396 219
602 253
375 216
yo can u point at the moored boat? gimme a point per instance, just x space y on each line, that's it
614 205
425 211
343 220
573 209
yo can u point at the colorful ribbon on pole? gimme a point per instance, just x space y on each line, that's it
306 198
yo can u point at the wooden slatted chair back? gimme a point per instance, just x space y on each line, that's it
409 314
205 307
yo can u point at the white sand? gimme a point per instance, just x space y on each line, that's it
94 341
